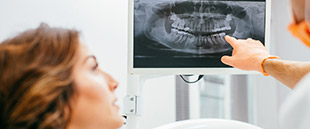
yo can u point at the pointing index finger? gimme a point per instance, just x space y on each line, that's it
231 40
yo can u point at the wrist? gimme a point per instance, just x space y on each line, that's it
262 69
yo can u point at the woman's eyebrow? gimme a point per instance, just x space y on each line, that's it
88 57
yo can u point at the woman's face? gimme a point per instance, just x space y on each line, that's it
93 102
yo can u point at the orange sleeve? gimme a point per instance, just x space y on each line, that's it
301 31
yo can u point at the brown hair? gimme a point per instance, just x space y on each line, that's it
35 78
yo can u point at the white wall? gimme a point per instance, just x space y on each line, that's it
103 24
159 102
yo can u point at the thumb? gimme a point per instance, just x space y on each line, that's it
228 60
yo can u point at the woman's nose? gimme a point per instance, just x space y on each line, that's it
113 85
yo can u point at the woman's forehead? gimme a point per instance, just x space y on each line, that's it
84 52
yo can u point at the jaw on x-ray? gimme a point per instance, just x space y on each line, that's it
195 27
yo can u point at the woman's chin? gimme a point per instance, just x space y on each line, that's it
119 121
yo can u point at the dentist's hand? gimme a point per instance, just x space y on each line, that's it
247 54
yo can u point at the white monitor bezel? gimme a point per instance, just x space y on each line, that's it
183 71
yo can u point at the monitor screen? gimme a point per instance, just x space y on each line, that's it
190 33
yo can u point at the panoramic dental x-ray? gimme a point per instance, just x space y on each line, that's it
190 33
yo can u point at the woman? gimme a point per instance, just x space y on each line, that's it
48 79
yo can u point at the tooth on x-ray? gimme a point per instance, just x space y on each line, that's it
198 26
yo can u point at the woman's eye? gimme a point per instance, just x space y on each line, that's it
95 67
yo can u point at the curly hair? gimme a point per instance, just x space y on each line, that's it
35 78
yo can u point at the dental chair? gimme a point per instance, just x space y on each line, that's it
208 124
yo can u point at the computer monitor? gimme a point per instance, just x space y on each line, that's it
187 36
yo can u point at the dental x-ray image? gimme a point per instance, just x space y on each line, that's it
190 33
